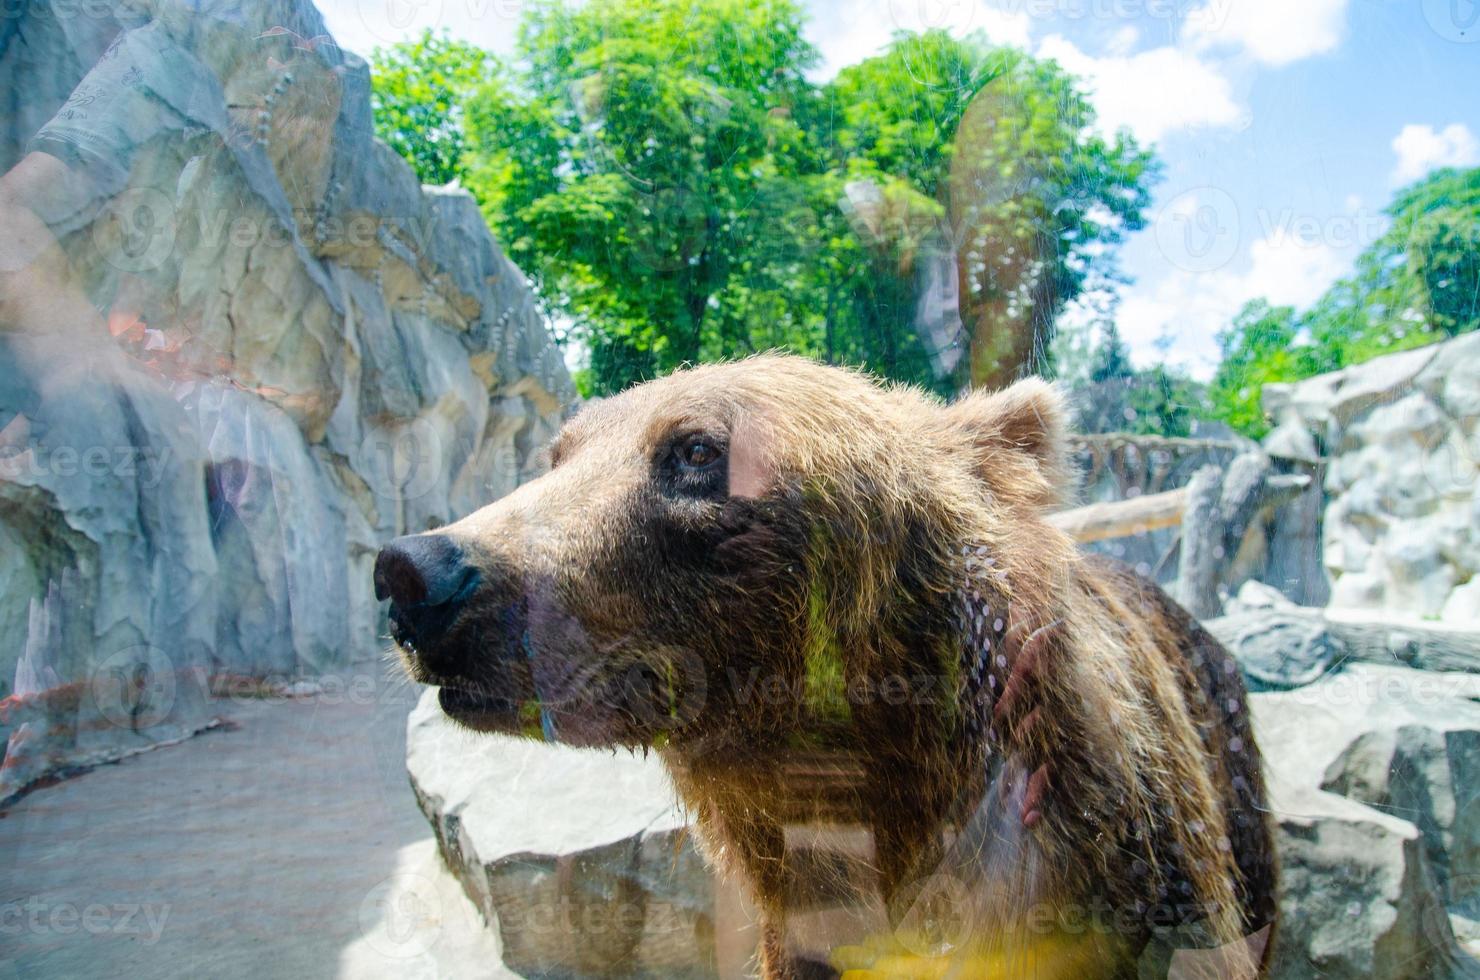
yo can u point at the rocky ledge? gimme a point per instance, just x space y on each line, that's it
580 862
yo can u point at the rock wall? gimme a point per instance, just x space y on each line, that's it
1400 437
1121 466
300 353
1282 547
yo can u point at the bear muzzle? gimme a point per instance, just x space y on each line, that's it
428 582
460 625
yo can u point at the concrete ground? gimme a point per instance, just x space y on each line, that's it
286 844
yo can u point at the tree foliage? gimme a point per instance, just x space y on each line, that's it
988 155
1417 284
1260 347
643 170
417 93
1112 395
678 190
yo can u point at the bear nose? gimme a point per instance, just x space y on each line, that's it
427 581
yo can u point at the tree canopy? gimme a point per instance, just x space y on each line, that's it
678 190
417 99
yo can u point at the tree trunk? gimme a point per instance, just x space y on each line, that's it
1202 544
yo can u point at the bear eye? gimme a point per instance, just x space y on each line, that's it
698 452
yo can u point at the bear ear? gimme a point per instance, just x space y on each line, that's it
1018 434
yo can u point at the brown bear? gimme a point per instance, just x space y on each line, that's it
836 606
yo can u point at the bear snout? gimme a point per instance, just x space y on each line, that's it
428 581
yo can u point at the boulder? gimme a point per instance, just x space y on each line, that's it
1402 476
1278 646
1282 647
1377 827
569 852
1292 441
1418 575
1253 596
1456 382
1356 896
1427 772
578 858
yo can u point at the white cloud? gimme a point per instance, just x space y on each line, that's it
1123 41
1421 149
1152 93
847 34
1005 27
1192 307
360 25
1290 272
1275 32
958 17
847 45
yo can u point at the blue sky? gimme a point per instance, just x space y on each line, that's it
1284 126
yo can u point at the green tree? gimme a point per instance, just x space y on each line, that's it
1416 284
1261 346
643 169
1440 221
1162 402
1112 358
677 190
1419 282
1001 147
417 90
1112 395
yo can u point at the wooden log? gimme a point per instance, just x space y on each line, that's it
1122 518
1215 510
1148 443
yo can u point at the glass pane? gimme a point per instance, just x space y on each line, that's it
665 488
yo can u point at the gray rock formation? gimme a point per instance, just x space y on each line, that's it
311 354
1373 784
1402 437
1377 830
1285 646
579 858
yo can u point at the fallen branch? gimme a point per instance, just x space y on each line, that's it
1122 518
